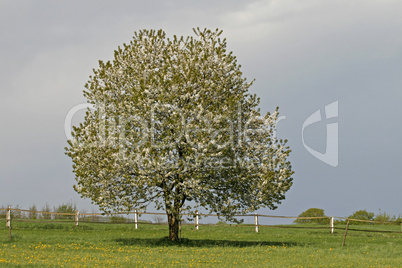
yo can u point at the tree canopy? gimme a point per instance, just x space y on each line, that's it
313 212
361 215
173 124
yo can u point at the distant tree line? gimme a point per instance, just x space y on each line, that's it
358 215
44 214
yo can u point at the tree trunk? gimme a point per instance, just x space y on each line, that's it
173 208
173 221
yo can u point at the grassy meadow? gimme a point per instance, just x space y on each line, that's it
120 245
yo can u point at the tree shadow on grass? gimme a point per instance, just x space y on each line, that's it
157 242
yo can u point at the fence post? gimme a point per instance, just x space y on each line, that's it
8 221
331 224
346 232
196 219
8 217
180 229
77 214
136 219
256 222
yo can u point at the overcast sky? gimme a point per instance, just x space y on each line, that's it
304 56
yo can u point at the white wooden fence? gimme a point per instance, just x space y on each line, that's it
78 217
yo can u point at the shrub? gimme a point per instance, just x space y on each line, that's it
16 214
118 219
221 222
159 219
46 216
65 208
33 215
384 217
313 212
361 215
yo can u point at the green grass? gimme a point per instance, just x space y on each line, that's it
106 245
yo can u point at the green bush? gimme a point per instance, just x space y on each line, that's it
46 216
384 217
32 214
66 208
118 219
361 215
313 212
221 222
